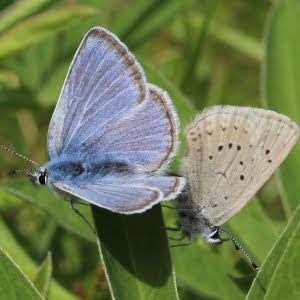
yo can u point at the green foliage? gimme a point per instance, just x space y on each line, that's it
14 284
43 276
133 273
279 276
202 53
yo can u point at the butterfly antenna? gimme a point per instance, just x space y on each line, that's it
18 154
14 172
238 246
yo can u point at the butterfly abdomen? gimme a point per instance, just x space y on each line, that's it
62 169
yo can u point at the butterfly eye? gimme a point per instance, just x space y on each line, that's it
43 178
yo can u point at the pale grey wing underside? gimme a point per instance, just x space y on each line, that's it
232 152
128 195
104 84
148 138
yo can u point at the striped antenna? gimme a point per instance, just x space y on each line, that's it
238 246
14 172
18 154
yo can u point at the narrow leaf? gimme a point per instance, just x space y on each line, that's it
135 253
280 82
43 276
13 282
56 207
279 277
10 246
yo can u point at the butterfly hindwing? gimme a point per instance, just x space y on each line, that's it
148 138
127 195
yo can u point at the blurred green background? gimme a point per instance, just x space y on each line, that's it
203 53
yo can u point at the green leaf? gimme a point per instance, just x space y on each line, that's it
280 82
279 277
43 276
40 27
19 11
9 244
135 253
13 282
57 208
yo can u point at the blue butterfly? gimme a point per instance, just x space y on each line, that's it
112 134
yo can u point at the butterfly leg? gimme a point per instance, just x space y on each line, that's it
72 202
77 202
180 239
178 228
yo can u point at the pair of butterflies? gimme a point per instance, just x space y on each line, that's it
113 134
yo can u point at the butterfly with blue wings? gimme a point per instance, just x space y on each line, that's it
112 134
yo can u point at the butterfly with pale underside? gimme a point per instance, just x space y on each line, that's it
112 134
232 152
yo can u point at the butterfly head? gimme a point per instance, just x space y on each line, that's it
39 177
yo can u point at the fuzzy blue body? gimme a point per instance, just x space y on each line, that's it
68 169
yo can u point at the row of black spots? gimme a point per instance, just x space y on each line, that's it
230 145
221 147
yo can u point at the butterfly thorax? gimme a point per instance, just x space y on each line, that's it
64 169
193 222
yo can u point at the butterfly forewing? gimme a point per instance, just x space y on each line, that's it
230 151
104 84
